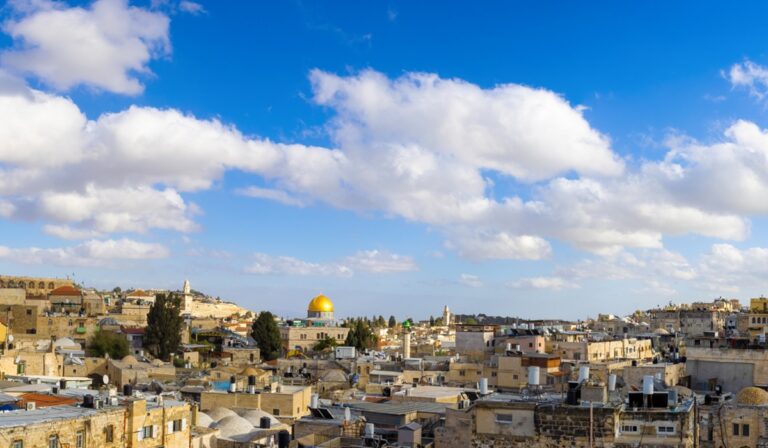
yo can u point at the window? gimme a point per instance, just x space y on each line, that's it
145 433
745 430
735 429
53 442
628 428
29 311
80 439
17 444
275 411
109 434
504 419
461 373
664 430
178 425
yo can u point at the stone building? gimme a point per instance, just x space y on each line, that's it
304 334
510 420
35 286
135 423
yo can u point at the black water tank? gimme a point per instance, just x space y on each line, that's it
283 439
252 380
265 423
127 390
88 401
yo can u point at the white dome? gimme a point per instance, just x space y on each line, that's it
65 343
219 413
204 420
233 426
254 417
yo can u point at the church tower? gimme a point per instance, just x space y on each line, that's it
446 316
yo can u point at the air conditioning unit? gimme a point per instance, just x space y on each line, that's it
31 406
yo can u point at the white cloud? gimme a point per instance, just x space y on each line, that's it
726 268
753 77
470 280
193 8
500 246
89 253
398 152
551 283
531 134
105 45
373 261
271 194
380 262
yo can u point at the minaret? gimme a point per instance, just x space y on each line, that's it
187 298
446 316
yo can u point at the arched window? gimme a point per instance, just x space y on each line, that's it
50 285
41 285
31 285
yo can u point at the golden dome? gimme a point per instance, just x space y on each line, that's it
320 304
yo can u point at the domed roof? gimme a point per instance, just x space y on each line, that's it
158 362
204 420
219 413
109 321
248 371
130 359
254 417
661 332
753 396
65 343
320 304
233 425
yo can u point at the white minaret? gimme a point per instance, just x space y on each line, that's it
187 290
446 316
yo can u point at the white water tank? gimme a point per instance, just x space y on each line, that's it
534 373
370 430
648 385
612 382
314 402
483 386
347 414
583 373
509 346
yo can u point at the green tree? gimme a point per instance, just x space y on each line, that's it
327 343
392 322
108 342
164 323
470 321
360 335
431 321
267 335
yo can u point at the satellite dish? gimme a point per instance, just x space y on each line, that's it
10 338
105 379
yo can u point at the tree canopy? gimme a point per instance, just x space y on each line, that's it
392 322
360 335
267 335
324 344
108 342
164 324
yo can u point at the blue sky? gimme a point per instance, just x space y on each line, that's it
538 159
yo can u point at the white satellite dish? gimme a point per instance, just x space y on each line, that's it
105 379
10 338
